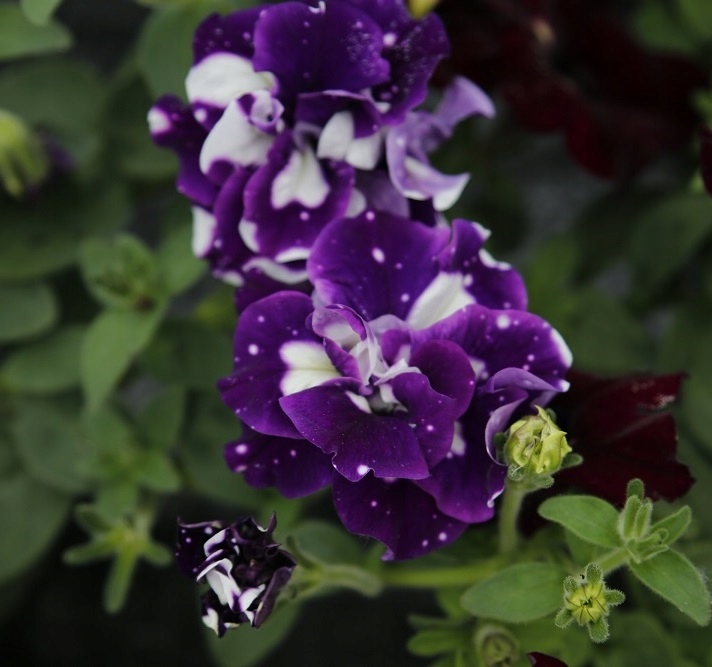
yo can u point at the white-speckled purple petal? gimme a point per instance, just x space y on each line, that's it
226 34
376 263
254 388
295 467
505 339
397 513
331 46
173 126
411 47
360 441
290 199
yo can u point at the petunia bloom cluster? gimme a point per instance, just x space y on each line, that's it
379 350
301 114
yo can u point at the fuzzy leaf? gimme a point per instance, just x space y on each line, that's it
518 594
114 338
588 517
49 443
47 366
39 11
32 516
676 579
20 37
29 311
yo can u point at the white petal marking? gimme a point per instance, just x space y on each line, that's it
222 77
308 366
443 297
301 181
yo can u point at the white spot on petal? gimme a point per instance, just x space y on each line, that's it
378 255
503 321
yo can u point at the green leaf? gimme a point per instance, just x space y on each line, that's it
547 278
120 577
189 354
45 238
32 516
121 272
589 518
675 524
210 425
49 443
29 310
157 473
245 646
326 543
667 235
39 11
178 267
130 144
160 422
20 37
47 366
698 392
662 29
112 341
640 640
697 15
64 97
435 641
164 48
604 336
518 594
574 648
675 578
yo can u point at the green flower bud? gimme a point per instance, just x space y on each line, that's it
535 446
496 647
23 161
588 601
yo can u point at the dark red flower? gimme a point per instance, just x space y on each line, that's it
572 66
620 427
542 660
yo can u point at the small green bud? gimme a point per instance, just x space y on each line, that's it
23 161
588 601
496 646
535 446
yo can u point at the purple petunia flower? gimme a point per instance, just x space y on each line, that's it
390 383
299 115
241 563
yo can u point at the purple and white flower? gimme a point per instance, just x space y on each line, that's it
292 109
391 381
243 566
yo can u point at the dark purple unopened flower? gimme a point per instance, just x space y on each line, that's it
291 107
243 566
621 428
543 660
390 383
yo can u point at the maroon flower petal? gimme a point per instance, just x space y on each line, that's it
620 428
543 660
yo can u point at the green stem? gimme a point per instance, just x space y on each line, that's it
613 560
513 496
441 577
